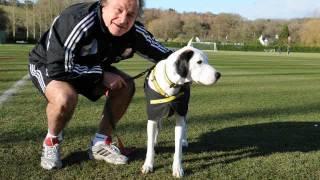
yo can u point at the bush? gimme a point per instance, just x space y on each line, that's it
3 37
244 47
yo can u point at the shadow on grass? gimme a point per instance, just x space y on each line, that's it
81 156
256 113
266 138
240 142
222 146
75 158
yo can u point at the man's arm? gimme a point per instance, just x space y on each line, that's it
62 43
148 47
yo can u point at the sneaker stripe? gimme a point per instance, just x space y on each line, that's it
108 153
99 152
105 153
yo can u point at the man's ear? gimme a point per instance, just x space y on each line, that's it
182 63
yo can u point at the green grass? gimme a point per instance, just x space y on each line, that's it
259 122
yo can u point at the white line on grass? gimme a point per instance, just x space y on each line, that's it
13 89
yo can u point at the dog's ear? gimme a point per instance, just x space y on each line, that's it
182 63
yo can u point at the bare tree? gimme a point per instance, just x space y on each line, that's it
27 19
310 33
34 20
4 20
168 26
13 18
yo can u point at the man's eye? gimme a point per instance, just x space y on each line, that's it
130 15
118 10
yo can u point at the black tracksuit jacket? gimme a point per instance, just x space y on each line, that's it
78 43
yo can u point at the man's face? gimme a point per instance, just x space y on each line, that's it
120 15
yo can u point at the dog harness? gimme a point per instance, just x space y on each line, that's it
159 90
160 104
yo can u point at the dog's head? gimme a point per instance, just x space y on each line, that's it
192 65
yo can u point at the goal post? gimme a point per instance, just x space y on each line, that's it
206 46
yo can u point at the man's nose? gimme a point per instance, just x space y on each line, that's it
123 18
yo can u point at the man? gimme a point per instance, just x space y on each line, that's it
74 57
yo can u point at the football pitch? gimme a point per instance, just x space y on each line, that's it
260 121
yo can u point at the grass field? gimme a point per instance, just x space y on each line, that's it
259 122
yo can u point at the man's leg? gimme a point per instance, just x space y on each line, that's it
62 100
116 105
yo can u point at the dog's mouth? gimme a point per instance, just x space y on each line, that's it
208 80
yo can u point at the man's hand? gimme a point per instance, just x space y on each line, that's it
113 81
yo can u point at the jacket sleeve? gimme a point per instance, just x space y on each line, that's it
148 47
55 49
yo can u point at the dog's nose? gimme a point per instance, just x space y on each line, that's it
218 75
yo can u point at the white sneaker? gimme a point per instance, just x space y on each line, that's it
107 152
50 158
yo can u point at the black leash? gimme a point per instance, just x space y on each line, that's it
109 114
108 103
142 73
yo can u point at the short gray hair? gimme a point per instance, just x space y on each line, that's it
141 6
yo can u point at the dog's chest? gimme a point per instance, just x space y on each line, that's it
157 106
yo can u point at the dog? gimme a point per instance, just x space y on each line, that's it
167 90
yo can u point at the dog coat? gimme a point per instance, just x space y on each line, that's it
157 111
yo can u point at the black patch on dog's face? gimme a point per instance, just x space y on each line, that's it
182 64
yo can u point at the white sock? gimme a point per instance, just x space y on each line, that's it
99 139
59 136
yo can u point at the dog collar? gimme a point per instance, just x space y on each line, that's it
166 77
159 90
171 84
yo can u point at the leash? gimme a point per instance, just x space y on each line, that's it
125 151
108 103
142 73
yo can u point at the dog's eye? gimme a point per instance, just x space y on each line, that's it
199 62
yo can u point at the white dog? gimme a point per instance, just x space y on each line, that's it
167 91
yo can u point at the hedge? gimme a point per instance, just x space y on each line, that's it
245 47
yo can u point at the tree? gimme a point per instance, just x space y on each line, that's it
13 18
284 34
310 33
151 14
168 26
4 20
27 18
295 27
192 27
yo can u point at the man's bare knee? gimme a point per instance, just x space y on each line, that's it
62 96
124 92
65 102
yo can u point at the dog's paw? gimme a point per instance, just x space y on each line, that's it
145 169
177 172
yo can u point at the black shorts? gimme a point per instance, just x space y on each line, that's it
88 85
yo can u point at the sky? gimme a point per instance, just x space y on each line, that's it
250 9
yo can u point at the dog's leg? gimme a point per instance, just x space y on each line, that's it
151 132
184 136
159 126
177 170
